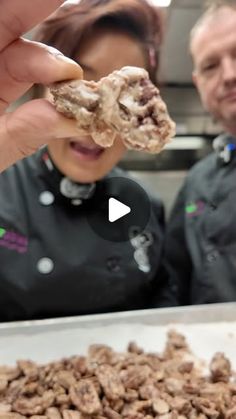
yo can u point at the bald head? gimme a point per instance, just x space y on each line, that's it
209 17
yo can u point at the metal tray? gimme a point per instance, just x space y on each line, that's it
208 328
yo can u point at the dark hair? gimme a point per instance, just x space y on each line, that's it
68 26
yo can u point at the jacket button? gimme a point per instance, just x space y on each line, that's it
45 265
211 257
46 198
113 264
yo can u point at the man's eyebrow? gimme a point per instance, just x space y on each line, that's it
209 59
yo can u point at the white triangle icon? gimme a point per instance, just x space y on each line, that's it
117 210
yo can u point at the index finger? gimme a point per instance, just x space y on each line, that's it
19 16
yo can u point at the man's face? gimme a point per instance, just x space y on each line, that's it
213 49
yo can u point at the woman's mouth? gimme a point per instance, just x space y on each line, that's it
86 151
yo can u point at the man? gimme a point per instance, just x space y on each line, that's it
201 237
23 63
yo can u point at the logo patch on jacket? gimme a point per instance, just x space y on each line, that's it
194 209
13 241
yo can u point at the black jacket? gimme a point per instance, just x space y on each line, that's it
53 264
201 236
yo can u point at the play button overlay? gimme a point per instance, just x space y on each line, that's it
122 209
117 210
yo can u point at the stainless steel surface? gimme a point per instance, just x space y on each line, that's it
212 313
180 154
164 184
208 329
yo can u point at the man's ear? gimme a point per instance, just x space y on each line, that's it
194 78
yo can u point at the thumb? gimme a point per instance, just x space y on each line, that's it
30 126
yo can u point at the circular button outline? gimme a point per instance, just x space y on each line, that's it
127 191
45 265
46 198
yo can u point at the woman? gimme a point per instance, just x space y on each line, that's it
54 263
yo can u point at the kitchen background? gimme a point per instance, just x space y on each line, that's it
163 174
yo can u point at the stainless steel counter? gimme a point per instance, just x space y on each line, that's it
208 329
210 313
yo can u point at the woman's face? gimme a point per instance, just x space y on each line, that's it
80 158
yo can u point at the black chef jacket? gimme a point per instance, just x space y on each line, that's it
53 264
201 237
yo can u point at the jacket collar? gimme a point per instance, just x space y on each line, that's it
67 190
62 186
225 148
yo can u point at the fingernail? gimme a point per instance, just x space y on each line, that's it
69 3
58 55
66 59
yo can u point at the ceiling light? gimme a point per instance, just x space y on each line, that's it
160 3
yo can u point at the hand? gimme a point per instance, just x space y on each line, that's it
23 63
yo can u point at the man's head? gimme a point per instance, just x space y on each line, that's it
213 49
